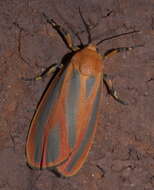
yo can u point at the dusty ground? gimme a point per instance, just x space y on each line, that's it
122 157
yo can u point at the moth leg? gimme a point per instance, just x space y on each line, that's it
62 32
113 51
50 70
109 84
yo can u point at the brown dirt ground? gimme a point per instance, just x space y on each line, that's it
122 157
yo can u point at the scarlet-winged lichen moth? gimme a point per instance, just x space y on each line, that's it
64 125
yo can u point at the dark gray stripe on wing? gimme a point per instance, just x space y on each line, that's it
89 85
71 106
88 133
46 108
53 146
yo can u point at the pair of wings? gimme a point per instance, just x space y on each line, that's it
64 125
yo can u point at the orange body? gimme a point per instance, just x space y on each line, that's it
64 125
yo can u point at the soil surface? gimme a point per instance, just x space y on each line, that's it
122 157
